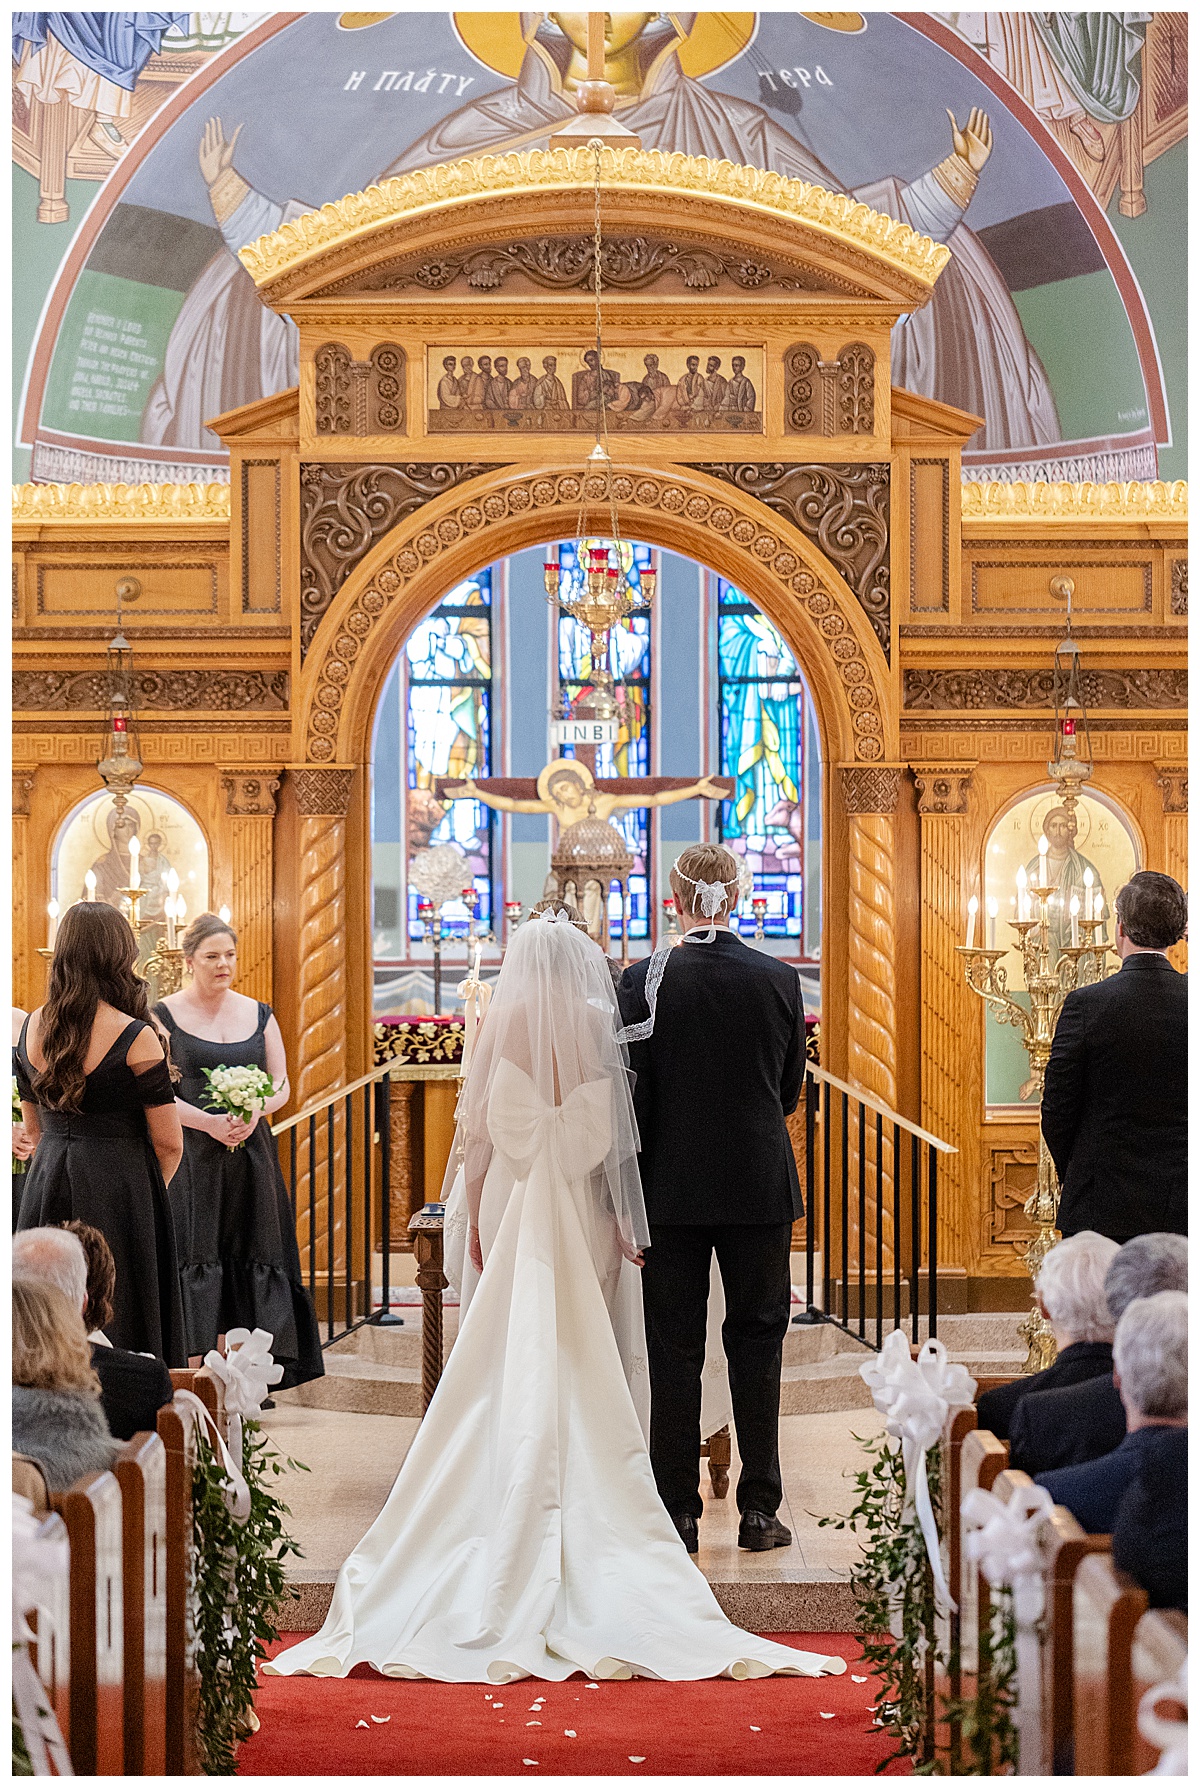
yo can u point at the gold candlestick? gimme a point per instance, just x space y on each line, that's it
1049 977
164 966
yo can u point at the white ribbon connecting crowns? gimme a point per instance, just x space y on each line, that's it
917 1396
476 996
35 1563
1001 1538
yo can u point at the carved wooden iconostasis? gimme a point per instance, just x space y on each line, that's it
753 429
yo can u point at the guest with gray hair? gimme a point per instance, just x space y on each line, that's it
55 1257
1150 1372
1070 1292
1056 1428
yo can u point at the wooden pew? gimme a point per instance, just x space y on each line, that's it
1159 1654
981 1460
141 1470
91 1510
208 1387
51 1622
29 1481
177 1425
1107 1606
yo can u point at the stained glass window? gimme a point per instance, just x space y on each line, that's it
448 677
629 662
767 733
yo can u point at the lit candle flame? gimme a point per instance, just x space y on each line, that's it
89 882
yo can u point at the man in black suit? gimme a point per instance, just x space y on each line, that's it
1069 1291
1150 1371
718 1055
1054 1428
77 1259
1114 1107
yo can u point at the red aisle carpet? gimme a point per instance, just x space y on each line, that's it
772 1727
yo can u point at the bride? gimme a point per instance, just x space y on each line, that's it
524 1535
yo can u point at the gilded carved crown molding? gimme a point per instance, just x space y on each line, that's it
942 788
1153 686
346 509
322 793
844 510
1150 501
870 788
170 691
120 502
249 794
838 218
633 492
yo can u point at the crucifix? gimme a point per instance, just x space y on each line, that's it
596 98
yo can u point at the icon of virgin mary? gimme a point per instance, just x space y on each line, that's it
966 347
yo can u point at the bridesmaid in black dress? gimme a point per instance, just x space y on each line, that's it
97 1100
240 1266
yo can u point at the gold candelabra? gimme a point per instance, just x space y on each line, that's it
1051 973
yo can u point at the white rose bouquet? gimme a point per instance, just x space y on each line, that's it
242 1092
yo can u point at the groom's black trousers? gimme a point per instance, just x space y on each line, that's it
755 1266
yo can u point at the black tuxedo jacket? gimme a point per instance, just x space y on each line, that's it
1094 1492
1053 1428
715 1082
1150 1533
1114 1109
1082 1360
133 1388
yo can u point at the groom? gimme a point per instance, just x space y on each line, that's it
721 1067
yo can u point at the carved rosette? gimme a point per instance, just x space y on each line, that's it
250 793
950 1065
346 509
633 492
359 397
829 397
843 510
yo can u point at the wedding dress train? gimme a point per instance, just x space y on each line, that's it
524 1535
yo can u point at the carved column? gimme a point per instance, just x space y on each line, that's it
870 794
250 804
23 992
949 1068
1173 781
322 801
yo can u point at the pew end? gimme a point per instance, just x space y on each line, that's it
140 1468
91 1510
29 1481
1106 1608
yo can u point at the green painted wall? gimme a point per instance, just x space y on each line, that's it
38 252
110 351
1082 336
1156 244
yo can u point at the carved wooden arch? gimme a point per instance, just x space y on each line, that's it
504 511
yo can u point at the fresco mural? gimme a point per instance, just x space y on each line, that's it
1024 141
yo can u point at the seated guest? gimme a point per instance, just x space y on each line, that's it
56 1413
1069 1292
1081 1422
1114 1107
1150 1531
77 1259
1150 1371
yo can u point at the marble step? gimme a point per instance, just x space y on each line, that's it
811 1600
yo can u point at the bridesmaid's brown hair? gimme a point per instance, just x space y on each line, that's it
95 959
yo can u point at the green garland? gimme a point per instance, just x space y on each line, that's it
893 1588
240 1584
985 1720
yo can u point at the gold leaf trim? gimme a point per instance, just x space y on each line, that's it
120 502
1151 501
835 214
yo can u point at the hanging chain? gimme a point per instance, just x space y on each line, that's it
597 147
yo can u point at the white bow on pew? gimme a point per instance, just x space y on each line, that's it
1001 1538
917 1397
1167 1736
247 1369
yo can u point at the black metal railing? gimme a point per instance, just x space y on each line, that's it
336 1156
871 1187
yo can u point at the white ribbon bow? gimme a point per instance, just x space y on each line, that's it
35 1560
1167 1736
247 1370
476 996
1001 1538
917 1397
237 1493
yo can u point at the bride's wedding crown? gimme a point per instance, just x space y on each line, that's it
713 895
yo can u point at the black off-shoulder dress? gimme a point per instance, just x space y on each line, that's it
97 1165
234 1229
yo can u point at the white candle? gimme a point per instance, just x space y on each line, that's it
224 914
1022 896
172 881
180 910
52 928
1097 905
169 910
135 878
89 883
993 912
1074 921
1043 852
972 914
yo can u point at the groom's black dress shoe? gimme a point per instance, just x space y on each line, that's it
688 1529
759 1532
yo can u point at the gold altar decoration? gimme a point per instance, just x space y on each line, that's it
418 1042
1151 500
120 502
915 260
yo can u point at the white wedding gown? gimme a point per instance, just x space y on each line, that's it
524 1535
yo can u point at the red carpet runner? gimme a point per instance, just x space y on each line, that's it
772 1727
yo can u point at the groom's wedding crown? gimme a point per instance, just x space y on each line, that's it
713 895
